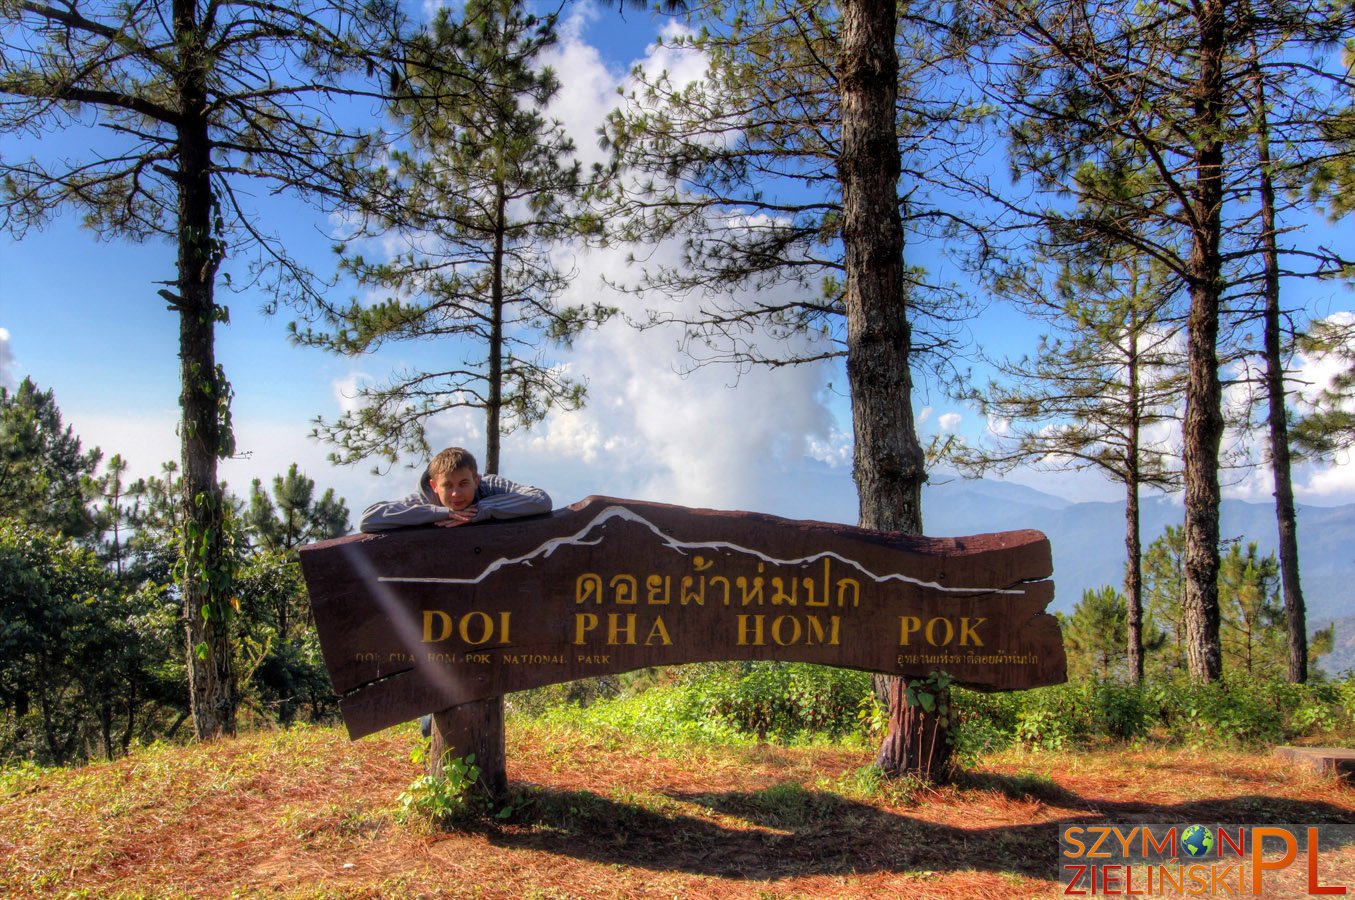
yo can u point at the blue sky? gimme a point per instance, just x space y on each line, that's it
82 317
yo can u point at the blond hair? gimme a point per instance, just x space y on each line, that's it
450 460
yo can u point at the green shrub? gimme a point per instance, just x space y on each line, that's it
783 701
720 702
583 692
672 713
1121 711
1231 711
983 722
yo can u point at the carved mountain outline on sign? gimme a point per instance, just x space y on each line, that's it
579 539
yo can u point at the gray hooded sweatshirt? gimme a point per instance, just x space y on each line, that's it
495 498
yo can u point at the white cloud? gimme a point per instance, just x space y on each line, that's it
647 431
692 439
144 441
683 65
7 365
587 87
948 423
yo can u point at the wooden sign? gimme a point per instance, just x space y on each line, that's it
419 620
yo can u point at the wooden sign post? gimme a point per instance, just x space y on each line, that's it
449 620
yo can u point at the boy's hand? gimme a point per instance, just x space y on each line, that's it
458 517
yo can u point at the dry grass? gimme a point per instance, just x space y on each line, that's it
306 813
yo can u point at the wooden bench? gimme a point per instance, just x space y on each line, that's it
1336 761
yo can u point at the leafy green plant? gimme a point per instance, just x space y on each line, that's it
450 796
872 716
1042 728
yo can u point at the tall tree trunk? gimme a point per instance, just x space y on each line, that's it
888 463
1203 430
494 403
1294 613
1133 576
205 572
1133 582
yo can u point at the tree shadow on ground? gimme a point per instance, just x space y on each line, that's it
789 831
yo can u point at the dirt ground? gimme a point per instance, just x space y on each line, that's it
306 813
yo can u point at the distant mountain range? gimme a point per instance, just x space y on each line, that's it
1088 542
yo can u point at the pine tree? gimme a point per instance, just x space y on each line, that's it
1329 427
1164 579
44 472
111 515
293 516
1094 392
1252 615
480 195
196 100
782 171
741 167
1096 634
1171 82
1253 636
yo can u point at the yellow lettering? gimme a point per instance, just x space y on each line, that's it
815 629
776 630
658 631
842 585
614 629
624 586
968 632
753 596
715 578
757 636
588 587
583 623
950 631
486 628
908 625
688 595
809 586
779 595
654 582
444 620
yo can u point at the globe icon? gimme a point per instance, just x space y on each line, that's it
1197 841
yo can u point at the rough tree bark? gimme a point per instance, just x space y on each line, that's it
1294 613
888 463
473 729
211 678
1203 430
1133 577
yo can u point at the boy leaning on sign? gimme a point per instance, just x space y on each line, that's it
452 492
